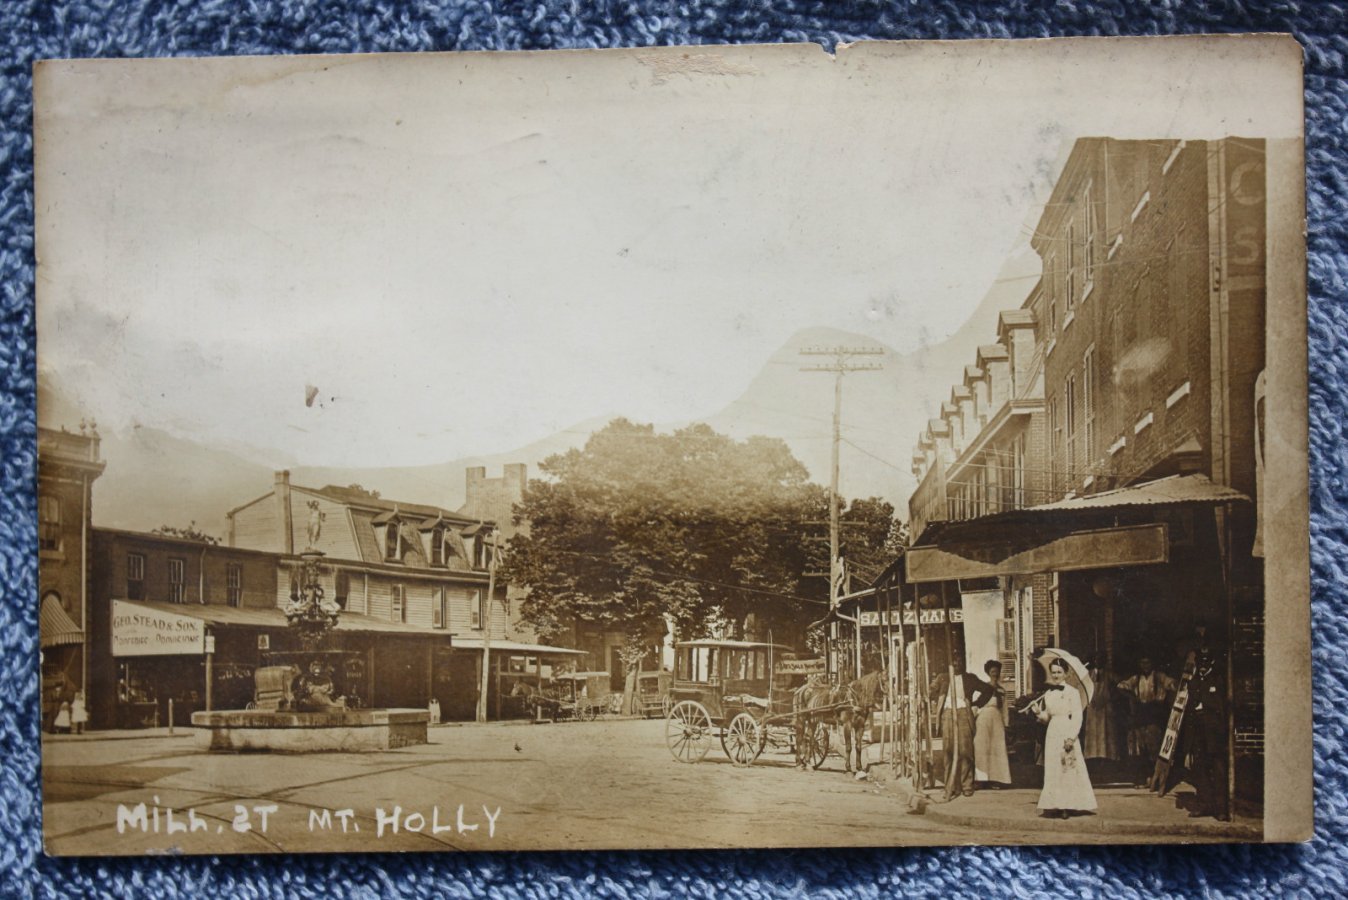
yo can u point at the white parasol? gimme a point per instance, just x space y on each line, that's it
1077 675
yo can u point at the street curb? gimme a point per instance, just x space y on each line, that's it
95 736
1093 824
1096 825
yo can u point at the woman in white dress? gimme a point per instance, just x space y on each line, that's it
1067 786
79 713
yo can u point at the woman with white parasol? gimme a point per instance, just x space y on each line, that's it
1067 785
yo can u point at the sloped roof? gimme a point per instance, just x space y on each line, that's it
363 523
351 497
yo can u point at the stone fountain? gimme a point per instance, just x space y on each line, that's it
295 709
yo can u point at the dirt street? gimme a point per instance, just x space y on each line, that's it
585 785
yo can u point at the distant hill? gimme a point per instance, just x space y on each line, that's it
154 478
882 412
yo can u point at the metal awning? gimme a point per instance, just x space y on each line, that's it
55 627
1105 530
1101 548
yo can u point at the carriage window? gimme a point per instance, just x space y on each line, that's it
705 665
739 665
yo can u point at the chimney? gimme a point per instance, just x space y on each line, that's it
963 398
993 359
950 413
474 480
516 480
976 380
284 519
1015 331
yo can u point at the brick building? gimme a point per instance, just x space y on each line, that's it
1118 515
68 464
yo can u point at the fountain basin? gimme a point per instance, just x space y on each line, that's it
342 730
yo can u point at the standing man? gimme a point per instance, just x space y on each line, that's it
1150 692
958 703
1205 739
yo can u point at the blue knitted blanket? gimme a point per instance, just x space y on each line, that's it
35 29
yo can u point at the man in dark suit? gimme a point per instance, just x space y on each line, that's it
1206 738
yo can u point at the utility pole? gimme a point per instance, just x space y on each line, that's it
494 538
840 364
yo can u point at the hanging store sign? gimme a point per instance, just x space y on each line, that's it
929 617
140 631
800 667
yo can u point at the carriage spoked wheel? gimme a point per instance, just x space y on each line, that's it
744 739
688 731
815 750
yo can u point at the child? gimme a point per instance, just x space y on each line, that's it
79 714
62 723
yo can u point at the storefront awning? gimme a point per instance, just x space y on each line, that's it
1078 533
470 643
55 627
1132 545
274 618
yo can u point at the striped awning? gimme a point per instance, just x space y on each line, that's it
55 627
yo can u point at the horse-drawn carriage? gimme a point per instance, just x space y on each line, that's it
651 697
743 693
581 696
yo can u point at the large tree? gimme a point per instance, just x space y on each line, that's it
637 525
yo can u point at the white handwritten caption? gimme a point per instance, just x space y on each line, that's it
157 819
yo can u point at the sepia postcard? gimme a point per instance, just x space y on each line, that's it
675 447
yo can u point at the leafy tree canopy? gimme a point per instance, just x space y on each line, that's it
638 525
190 533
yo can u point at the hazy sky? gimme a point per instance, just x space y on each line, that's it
467 252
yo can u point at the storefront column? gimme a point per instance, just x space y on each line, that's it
430 672
210 668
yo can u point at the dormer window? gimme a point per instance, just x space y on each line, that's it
391 540
438 545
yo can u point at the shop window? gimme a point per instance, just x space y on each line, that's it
177 579
49 523
135 576
341 587
234 584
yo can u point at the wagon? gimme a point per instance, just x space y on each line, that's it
584 695
739 692
652 694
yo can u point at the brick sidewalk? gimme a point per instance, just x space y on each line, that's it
1122 811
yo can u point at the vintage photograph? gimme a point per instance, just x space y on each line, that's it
684 447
